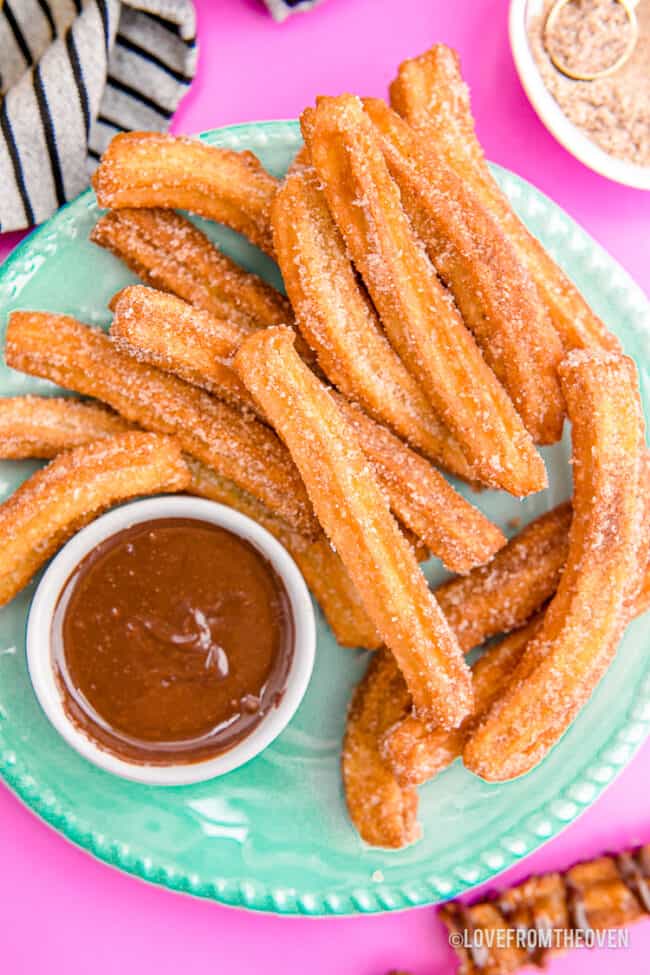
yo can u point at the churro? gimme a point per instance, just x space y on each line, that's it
429 92
417 312
421 498
584 621
320 565
167 251
607 892
166 332
152 169
355 516
504 594
336 318
383 812
81 358
41 427
56 501
492 288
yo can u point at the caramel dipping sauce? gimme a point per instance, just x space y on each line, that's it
172 640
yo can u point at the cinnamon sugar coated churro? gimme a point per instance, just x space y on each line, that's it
84 359
383 812
56 501
417 312
336 318
585 619
152 169
166 332
607 892
168 252
475 259
39 426
506 592
355 516
429 92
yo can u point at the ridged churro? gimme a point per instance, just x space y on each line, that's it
166 332
429 92
584 621
355 516
320 565
336 318
492 288
383 812
504 594
56 501
167 251
421 498
542 913
41 427
417 312
81 358
152 169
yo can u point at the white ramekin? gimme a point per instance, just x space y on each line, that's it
573 140
39 626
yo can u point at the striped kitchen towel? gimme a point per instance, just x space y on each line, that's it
72 74
282 8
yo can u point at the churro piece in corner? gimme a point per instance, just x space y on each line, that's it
355 515
56 501
153 169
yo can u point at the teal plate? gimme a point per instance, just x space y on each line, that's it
274 835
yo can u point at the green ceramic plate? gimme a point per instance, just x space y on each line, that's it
274 836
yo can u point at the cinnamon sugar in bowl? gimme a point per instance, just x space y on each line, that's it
605 122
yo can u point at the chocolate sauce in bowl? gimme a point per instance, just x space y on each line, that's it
172 640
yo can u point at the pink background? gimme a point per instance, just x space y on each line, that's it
60 910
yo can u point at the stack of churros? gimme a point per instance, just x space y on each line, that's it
424 331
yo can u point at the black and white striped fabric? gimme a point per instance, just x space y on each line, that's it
73 73
282 8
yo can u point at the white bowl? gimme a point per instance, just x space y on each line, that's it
573 140
40 658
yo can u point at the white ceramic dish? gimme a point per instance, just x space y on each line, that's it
573 140
40 657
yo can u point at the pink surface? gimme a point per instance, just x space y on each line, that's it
60 910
